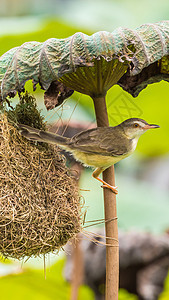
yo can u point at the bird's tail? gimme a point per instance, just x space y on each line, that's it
34 134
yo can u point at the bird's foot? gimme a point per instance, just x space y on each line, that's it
105 184
113 188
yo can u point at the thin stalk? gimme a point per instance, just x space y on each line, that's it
111 228
78 262
77 273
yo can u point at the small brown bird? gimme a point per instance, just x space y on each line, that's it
100 147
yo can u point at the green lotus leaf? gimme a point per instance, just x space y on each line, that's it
88 64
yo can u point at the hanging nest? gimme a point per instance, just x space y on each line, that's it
40 208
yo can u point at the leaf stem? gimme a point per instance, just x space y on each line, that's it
111 228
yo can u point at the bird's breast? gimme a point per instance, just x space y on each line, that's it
97 160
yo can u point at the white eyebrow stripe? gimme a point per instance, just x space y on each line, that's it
140 123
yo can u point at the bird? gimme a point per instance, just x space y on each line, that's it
100 147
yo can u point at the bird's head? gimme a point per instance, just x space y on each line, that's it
135 127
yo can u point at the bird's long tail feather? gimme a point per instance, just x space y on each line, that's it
34 134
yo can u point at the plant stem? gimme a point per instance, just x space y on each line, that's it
77 273
78 261
111 227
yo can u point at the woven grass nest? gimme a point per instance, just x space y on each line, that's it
39 202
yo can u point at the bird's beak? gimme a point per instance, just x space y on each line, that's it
150 126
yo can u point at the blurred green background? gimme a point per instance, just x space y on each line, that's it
143 179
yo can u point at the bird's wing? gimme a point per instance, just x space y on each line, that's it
117 146
101 140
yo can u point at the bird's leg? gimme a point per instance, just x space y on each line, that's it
96 174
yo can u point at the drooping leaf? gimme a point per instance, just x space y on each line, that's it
89 64
155 72
56 94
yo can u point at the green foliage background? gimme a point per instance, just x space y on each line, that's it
152 105
31 284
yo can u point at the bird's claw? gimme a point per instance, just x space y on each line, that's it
113 188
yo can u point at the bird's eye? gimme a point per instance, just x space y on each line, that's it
135 125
